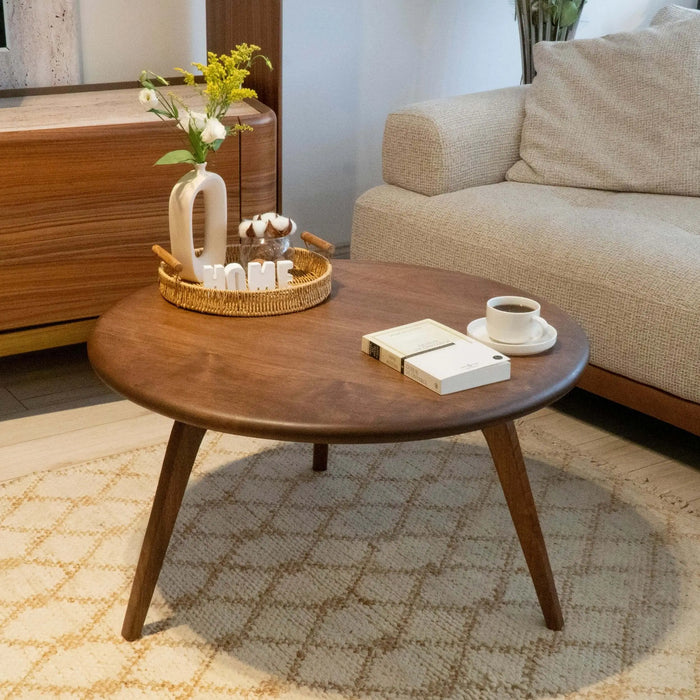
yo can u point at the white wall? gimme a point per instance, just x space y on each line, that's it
120 38
347 64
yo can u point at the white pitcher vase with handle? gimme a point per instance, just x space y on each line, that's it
182 197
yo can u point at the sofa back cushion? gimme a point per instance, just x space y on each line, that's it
673 13
619 112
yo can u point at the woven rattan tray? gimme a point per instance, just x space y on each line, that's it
310 286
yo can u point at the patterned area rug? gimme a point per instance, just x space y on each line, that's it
396 574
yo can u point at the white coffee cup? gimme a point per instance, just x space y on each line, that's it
514 320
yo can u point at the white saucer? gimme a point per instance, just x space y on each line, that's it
477 330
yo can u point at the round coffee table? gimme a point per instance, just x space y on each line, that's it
302 377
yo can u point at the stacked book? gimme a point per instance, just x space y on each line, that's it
437 356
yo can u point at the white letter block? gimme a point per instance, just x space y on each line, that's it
213 276
261 276
235 276
284 279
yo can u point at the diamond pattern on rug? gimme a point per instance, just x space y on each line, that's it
396 574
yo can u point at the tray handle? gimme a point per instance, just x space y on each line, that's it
167 258
311 239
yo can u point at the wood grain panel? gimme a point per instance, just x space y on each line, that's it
81 212
44 337
258 164
82 207
231 22
642 397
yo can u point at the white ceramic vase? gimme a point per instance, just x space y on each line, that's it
213 189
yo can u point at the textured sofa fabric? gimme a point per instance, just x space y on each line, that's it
613 112
673 13
443 155
626 265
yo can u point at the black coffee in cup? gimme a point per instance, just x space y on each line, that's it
514 308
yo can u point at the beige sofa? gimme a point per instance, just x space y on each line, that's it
492 184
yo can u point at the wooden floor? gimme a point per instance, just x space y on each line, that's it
55 412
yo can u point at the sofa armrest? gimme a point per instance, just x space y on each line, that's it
451 143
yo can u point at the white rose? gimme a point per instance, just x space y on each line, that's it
195 119
213 130
148 98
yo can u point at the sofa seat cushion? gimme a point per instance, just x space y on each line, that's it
626 266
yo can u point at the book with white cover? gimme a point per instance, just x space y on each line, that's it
437 356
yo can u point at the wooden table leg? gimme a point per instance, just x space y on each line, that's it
507 456
320 463
177 465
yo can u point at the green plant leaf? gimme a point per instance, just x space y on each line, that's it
570 11
199 148
155 110
173 157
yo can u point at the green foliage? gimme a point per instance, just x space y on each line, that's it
173 157
223 85
569 12
547 18
224 76
544 20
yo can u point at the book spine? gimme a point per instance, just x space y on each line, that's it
382 354
412 372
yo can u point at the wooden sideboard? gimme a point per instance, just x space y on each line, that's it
81 204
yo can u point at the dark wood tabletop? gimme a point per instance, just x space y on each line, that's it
302 376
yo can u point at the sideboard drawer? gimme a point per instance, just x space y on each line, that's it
82 204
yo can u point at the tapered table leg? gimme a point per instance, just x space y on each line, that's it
507 456
320 463
177 465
